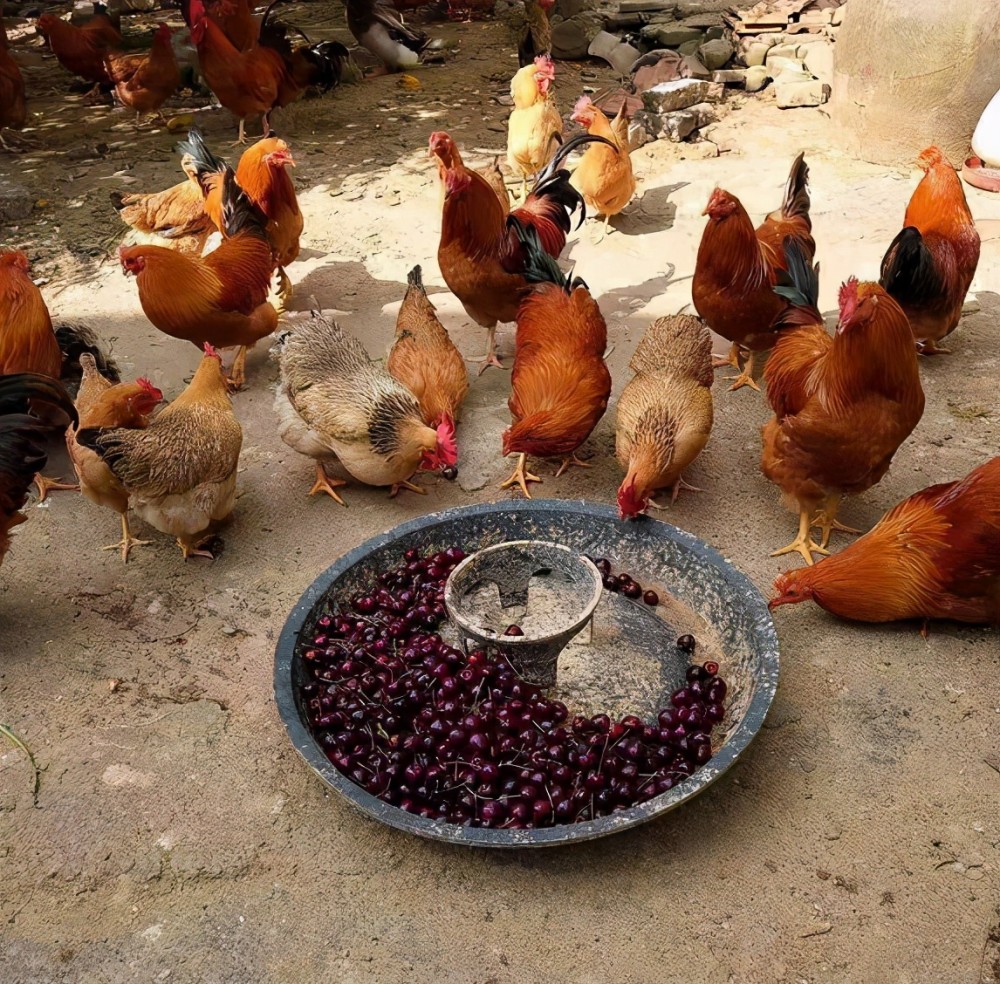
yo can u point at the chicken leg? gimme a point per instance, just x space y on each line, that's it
326 484
803 543
394 491
826 520
520 477
127 541
47 485
745 378
193 548
238 370
929 347
733 359
491 358
569 462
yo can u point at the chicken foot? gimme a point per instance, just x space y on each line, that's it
803 543
521 477
733 359
491 358
826 521
284 290
238 370
47 485
326 484
127 541
569 462
929 347
394 491
191 546
745 378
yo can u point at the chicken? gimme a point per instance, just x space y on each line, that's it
534 129
221 298
424 359
737 266
842 405
935 555
13 107
334 402
237 21
494 178
21 438
537 37
81 50
603 177
560 384
929 266
665 411
145 82
379 28
179 473
263 174
480 257
103 404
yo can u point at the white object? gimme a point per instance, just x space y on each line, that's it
986 139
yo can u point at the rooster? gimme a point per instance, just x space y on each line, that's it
560 384
220 299
334 402
534 130
935 555
480 256
22 439
424 359
179 473
665 411
842 405
737 268
929 266
380 29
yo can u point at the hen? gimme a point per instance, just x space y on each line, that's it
101 403
13 107
929 266
379 28
424 359
604 176
334 402
480 256
560 384
220 299
537 37
842 405
534 129
737 268
81 50
935 555
22 438
665 411
145 82
179 473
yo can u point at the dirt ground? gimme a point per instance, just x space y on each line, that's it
176 835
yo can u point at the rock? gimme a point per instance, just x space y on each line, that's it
715 32
667 36
755 53
819 61
730 76
620 56
781 51
790 94
689 47
715 54
837 15
756 78
716 93
670 96
656 67
692 68
650 122
16 202
775 66
570 8
678 125
638 135
660 6
571 38
623 22
702 150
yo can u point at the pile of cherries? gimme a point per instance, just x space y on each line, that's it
464 739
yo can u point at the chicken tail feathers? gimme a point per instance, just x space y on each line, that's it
908 273
239 213
415 278
538 266
795 204
77 340
19 389
799 286
195 148
326 63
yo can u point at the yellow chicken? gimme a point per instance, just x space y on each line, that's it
535 127
665 412
604 176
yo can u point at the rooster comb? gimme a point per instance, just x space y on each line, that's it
447 445
146 386
848 297
210 352
582 104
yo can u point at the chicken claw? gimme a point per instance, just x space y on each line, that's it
569 462
127 541
394 491
238 370
826 522
745 378
681 484
326 484
193 550
521 477
47 485
733 359
490 359
929 347
803 543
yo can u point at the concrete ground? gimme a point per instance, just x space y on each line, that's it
176 835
